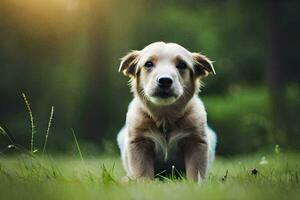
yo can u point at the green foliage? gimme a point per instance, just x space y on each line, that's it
241 120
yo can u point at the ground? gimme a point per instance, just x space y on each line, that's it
260 176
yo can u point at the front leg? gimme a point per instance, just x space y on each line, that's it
195 151
141 158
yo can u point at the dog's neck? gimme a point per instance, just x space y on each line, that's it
165 117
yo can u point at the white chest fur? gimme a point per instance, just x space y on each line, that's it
165 142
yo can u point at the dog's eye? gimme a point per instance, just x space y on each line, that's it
181 65
149 64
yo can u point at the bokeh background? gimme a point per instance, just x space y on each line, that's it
65 53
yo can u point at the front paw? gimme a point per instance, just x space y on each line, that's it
125 179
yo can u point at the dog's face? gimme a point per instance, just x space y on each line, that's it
165 72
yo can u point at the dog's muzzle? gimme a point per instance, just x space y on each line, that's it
164 87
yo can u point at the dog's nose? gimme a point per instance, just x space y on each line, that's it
165 81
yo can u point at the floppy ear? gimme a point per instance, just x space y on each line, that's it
203 66
128 63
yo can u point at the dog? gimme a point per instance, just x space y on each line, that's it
166 125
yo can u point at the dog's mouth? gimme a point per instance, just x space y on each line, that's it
163 97
164 94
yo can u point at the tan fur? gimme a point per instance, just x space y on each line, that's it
185 118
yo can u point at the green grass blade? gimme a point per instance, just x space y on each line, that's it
48 129
77 145
2 131
31 121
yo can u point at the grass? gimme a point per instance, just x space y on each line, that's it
65 177
48 129
32 150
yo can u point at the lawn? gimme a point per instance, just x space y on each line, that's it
259 176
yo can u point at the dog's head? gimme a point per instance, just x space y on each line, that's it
162 73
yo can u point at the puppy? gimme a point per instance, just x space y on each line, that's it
166 124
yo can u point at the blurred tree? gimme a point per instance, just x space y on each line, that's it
276 69
95 112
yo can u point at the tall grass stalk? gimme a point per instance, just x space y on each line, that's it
31 121
77 145
48 128
3 132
